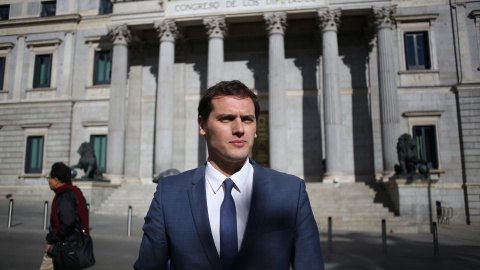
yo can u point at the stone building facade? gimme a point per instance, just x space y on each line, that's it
338 80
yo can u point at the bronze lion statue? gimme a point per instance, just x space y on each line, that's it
88 162
407 155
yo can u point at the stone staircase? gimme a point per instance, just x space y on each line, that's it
350 205
352 208
139 196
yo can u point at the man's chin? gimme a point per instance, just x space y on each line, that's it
239 159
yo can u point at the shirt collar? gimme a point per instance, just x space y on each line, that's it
216 178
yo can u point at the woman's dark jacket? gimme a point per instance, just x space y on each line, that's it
67 209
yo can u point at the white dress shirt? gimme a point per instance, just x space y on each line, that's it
241 193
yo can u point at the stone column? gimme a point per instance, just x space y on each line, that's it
329 21
387 74
134 115
117 107
67 69
216 29
276 24
17 83
167 32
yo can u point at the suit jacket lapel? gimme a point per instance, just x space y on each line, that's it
260 194
198 205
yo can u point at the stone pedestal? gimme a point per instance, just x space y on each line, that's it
414 200
96 192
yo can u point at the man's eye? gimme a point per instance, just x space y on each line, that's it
225 119
247 120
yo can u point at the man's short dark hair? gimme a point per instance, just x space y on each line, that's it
61 171
226 88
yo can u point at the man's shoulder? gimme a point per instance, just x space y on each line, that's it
282 175
189 175
275 175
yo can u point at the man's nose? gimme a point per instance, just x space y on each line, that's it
238 127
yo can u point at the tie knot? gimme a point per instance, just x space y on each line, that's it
228 185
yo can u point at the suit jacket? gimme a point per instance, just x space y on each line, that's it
280 231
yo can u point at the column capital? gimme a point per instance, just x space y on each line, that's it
329 19
216 26
120 34
383 16
276 22
167 30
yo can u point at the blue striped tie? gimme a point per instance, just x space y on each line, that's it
228 228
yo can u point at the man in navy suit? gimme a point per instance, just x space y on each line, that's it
230 213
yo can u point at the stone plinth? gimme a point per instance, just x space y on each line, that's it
413 200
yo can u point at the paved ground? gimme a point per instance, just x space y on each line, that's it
21 246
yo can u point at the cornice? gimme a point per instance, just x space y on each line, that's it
68 18
423 17
38 125
423 113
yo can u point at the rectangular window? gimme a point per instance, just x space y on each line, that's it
417 50
2 71
99 143
102 67
48 9
34 154
105 7
42 71
4 12
426 139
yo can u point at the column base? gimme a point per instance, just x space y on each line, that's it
337 178
132 180
386 176
117 179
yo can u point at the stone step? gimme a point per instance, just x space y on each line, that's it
138 196
350 205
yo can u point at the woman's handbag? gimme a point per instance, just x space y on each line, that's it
73 254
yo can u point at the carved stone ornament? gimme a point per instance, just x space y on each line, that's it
383 17
160 3
120 34
276 23
167 30
216 26
329 19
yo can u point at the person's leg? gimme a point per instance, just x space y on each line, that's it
47 263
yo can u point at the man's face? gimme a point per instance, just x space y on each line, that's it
52 182
229 130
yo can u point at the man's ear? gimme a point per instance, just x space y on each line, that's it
201 124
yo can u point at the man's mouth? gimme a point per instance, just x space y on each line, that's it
238 143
